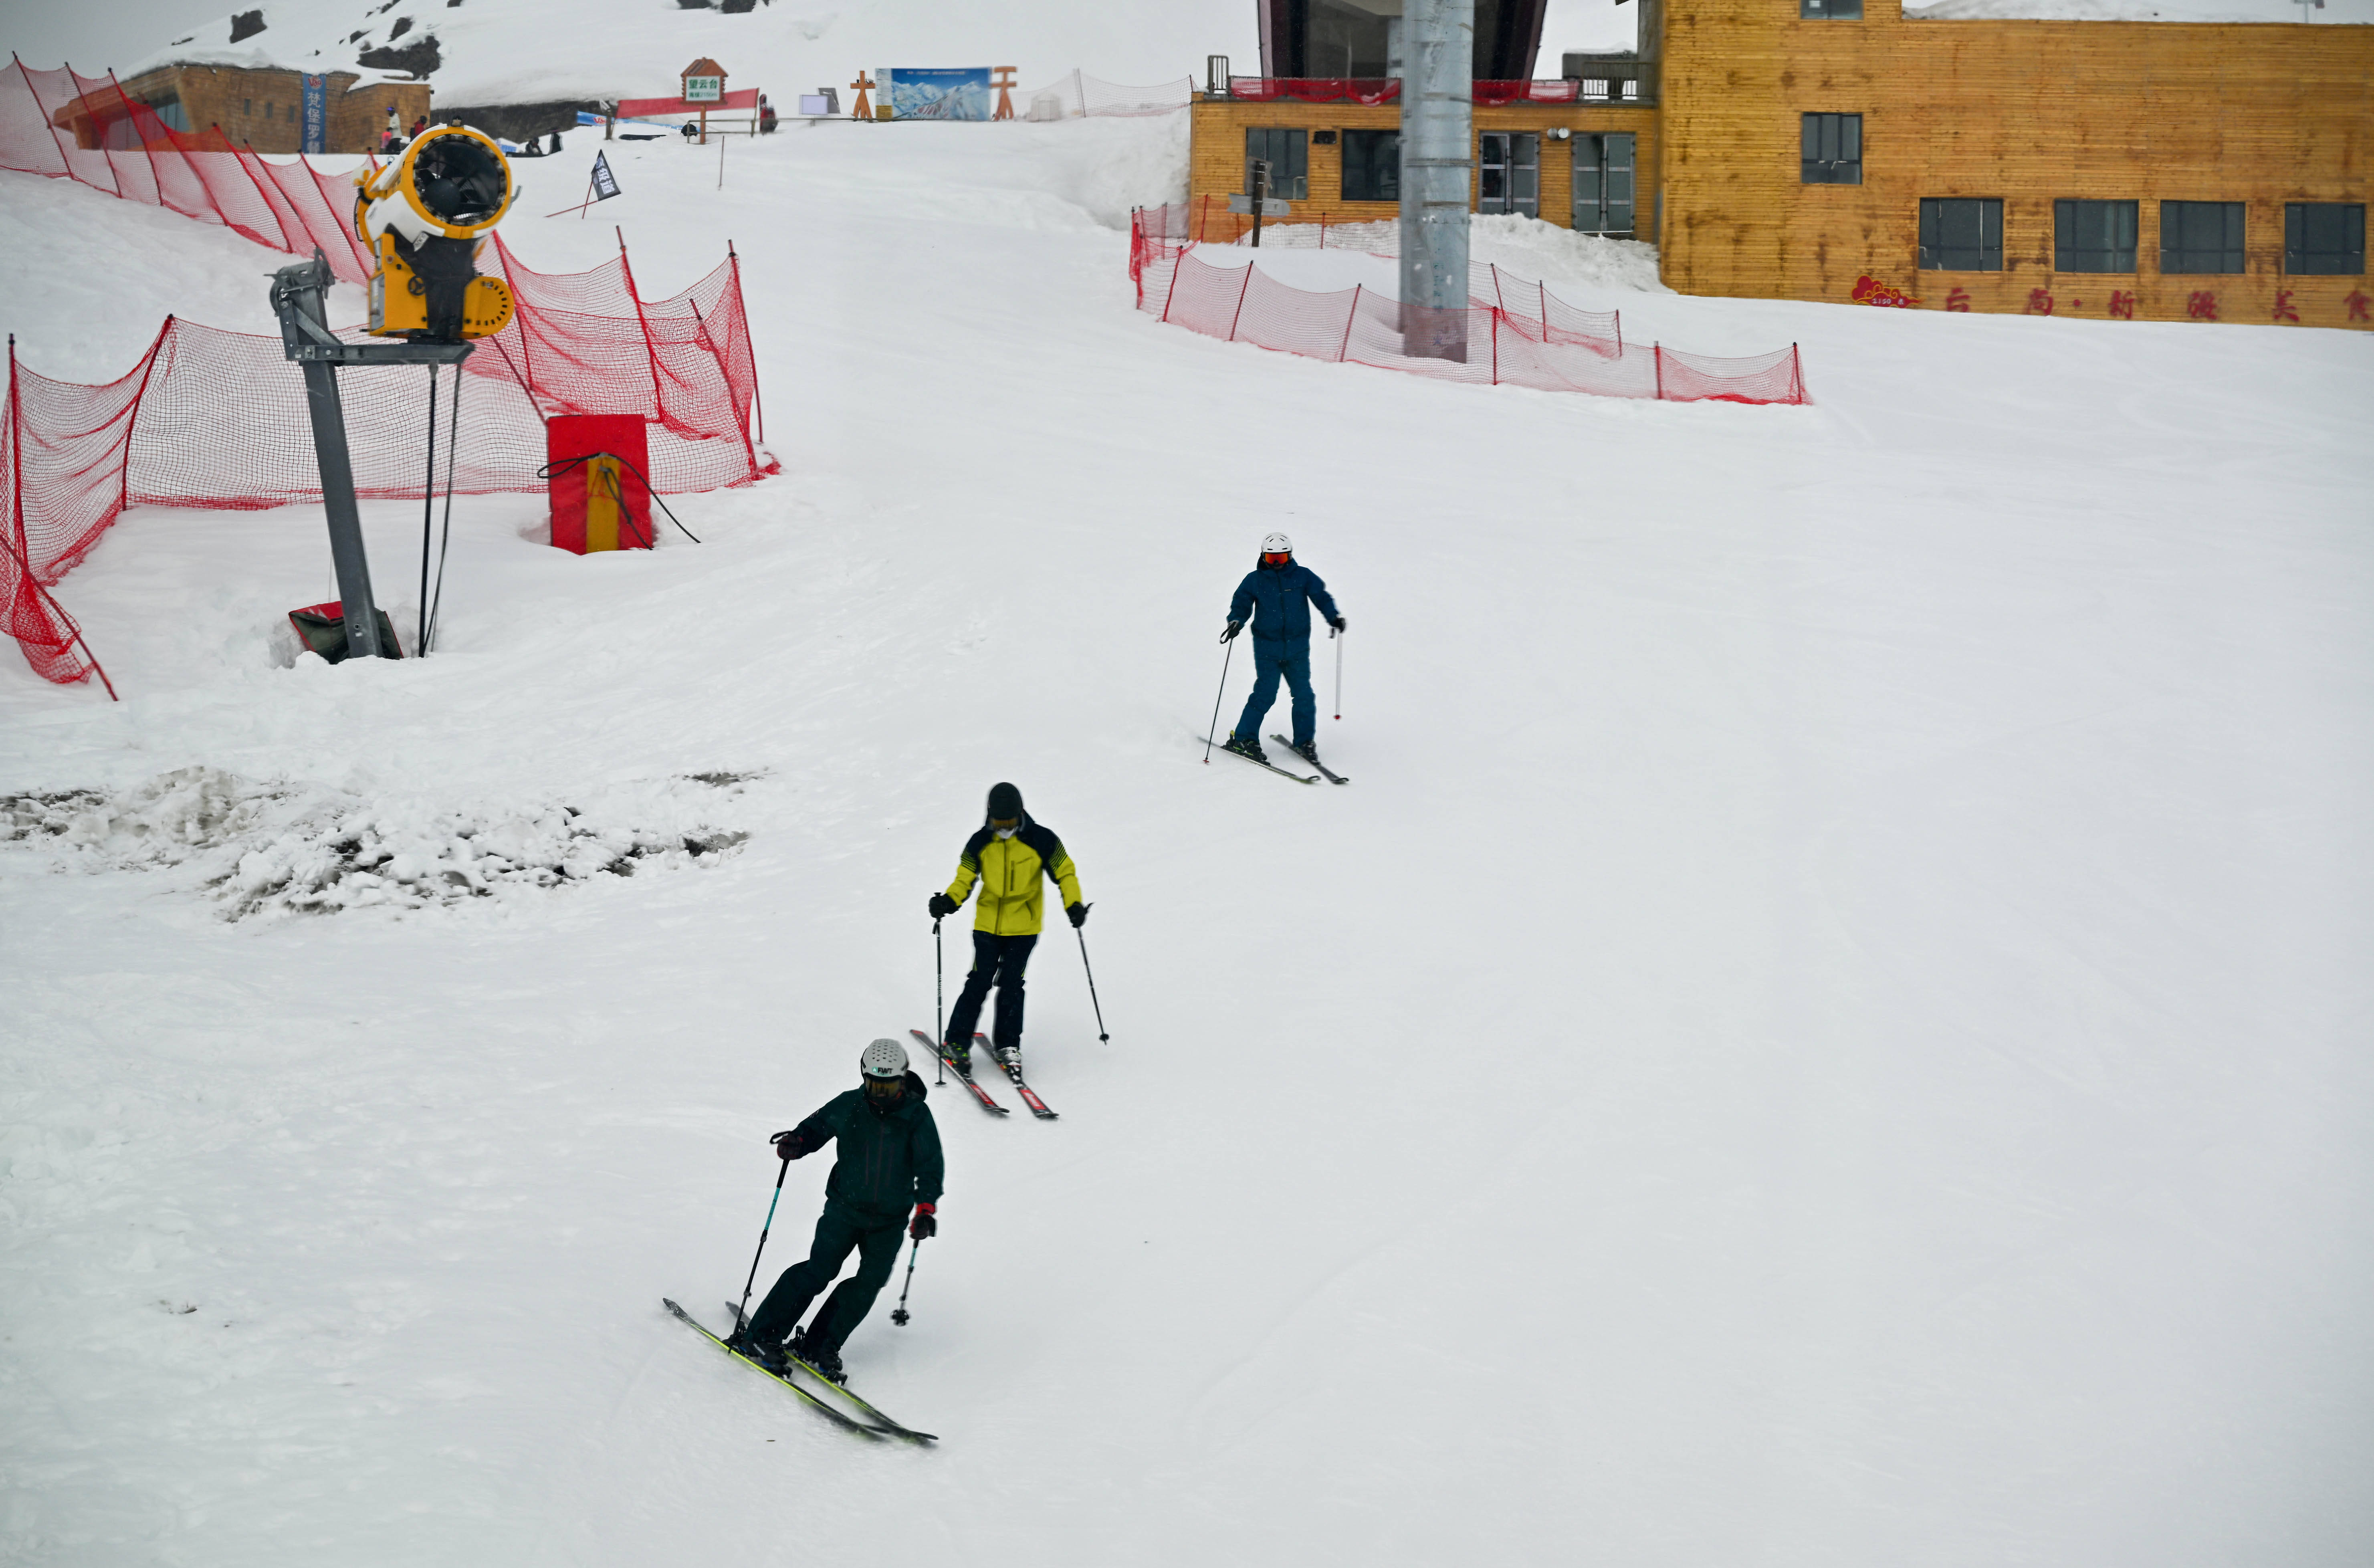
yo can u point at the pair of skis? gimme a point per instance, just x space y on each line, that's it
866 1421
1332 776
987 1101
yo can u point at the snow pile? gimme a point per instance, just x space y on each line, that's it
1526 247
281 848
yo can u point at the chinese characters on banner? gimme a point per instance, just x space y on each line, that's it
2357 303
2122 305
1959 300
316 120
2284 310
2201 306
2039 302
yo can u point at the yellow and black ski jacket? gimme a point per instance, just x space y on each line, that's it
1009 870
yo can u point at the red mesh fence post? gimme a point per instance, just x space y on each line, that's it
1241 292
1349 317
1658 349
1495 332
658 412
1177 266
742 314
147 369
1796 376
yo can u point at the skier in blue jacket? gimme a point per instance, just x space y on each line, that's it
1276 598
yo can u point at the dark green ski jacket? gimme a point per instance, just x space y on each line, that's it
890 1161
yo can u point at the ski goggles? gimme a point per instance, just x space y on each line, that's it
1276 558
1006 827
885 1088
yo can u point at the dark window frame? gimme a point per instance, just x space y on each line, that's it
2095 236
1520 171
1606 179
1288 157
1829 148
1376 166
2345 247
1829 10
2185 249
1936 255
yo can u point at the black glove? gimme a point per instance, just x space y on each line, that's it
791 1145
1230 635
1337 622
1079 913
924 1224
942 906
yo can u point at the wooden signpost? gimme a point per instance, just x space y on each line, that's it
860 110
704 84
1004 84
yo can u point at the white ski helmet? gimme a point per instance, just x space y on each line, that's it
1277 543
884 1059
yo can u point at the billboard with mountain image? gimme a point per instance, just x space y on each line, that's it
957 93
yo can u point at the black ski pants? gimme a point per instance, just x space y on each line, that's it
839 1229
999 961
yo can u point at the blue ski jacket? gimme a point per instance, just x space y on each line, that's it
1283 597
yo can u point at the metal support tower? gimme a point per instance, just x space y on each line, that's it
1438 47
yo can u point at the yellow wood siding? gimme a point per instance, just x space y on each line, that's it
2028 112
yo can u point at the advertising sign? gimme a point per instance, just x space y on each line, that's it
316 121
704 89
948 94
605 184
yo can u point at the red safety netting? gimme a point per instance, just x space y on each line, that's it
1517 332
1385 90
1076 94
215 418
289 206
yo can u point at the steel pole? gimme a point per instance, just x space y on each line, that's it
347 554
1438 39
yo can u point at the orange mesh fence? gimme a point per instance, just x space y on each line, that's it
47 117
1519 332
215 418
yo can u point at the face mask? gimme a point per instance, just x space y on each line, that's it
1004 831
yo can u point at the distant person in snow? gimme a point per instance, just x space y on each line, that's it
420 124
391 139
888 1168
1276 599
1008 858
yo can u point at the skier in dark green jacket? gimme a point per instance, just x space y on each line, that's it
888 1166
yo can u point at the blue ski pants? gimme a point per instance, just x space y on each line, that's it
1272 659
840 1231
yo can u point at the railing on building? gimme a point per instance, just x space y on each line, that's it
1613 88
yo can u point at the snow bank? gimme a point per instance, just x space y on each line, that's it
286 847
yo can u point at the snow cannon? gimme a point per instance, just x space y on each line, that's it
425 218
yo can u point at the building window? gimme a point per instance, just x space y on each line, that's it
1603 182
1288 153
1830 11
1509 165
1961 234
1372 166
2201 236
1833 149
2093 236
2324 237
267 109
247 106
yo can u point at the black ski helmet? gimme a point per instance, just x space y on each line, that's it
1005 802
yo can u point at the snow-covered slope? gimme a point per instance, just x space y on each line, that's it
1827 1029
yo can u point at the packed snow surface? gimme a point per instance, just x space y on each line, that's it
1829 1028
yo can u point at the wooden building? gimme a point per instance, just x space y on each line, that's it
1803 149
257 109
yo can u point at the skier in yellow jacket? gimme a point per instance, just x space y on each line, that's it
1008 858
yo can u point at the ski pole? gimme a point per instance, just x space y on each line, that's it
899 1313
1091 974
1215 711
939 1007
742 1313
1338 638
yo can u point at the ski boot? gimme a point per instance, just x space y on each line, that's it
770 1356
1245 745
1010 1058
958 1057
824 1361
1308 751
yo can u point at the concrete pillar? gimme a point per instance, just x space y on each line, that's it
1437 117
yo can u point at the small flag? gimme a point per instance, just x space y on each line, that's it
605 184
